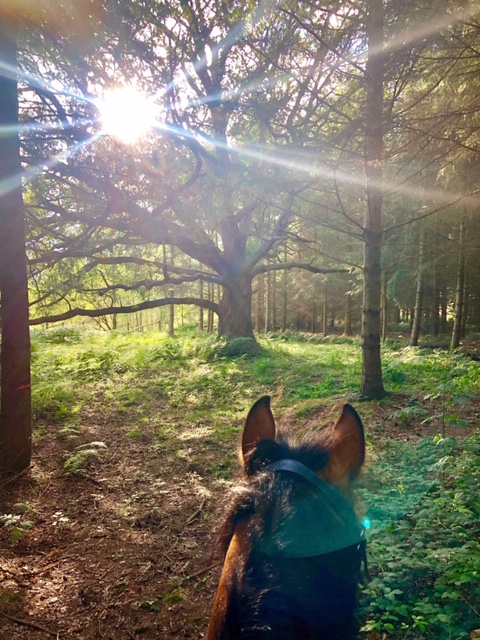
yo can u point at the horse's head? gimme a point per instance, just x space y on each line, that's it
292 541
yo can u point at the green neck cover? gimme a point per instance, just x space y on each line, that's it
321 522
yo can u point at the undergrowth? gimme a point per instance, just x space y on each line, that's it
422 499
425 547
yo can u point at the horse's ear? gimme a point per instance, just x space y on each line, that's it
259 425
347 451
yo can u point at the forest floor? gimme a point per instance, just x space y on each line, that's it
124 551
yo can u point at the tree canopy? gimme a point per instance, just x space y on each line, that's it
285 137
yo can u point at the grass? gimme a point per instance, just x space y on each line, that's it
420 494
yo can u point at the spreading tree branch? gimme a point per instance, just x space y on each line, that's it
141 306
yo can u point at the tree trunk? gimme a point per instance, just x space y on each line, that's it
372 383
417 312
268 305
235 308
324 312
465 309
260 316
384 316
457 323
201 317
171 317
15 397
436 302
274 301
348 314
211 297
284 292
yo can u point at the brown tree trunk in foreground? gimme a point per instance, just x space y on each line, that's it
372 383
15 399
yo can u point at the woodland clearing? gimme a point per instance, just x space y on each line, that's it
109 533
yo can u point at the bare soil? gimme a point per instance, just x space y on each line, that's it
125 551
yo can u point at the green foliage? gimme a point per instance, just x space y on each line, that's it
409 414
18 523
426 560
68 334
78 463
236 348
422 500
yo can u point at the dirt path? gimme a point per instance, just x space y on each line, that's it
124 551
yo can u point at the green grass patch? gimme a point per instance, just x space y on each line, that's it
193 392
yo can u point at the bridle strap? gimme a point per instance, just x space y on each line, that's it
336 526
299 469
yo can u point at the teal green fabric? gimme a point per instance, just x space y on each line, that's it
321 522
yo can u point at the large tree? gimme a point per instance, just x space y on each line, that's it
372 383
15 400
219 180
273 122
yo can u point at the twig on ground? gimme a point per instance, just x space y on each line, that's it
199 574
28 623
195 515
8 480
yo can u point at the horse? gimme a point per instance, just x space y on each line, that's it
292 543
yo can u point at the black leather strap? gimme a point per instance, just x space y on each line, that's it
299 469
321 522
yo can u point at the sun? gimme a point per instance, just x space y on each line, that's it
126 114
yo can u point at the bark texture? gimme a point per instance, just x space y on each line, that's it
15 400
372 382
235 308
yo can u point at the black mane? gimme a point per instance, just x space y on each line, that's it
260 488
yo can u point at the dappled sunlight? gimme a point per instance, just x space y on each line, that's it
196 432
125 540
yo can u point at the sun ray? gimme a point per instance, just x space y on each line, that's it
126 114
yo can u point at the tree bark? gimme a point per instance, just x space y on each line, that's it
260 316
201 320
457 323
15 398
235 307
211 297
171 316
372 382
417 312
274 301
465 305
324 311
436 302
268 304
284 292
384 316
348 314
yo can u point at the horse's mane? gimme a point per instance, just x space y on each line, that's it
251 496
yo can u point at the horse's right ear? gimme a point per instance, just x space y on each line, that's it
259 425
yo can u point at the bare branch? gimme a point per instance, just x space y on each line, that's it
141 306
296 265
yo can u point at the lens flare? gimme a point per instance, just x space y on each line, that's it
126 114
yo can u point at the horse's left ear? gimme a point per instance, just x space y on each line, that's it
259 425
347 451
